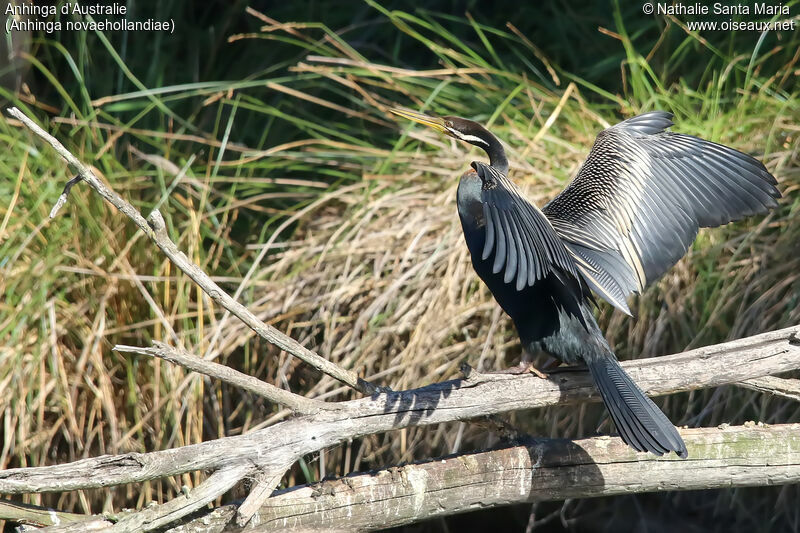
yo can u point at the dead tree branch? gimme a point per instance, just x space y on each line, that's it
295 402
544 470
160 515
786 388
479 395
155 229
36 516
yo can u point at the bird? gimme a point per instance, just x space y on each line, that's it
627 216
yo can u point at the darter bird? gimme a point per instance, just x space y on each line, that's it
629 214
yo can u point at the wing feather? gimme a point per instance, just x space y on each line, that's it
513 244
525 246
524 250
489 244
500 238
640 198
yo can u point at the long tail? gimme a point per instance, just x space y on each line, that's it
640 423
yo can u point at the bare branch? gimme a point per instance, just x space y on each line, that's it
64 194
92 524
155 229
545 470
294 402
480 395
36 516
258 495
160 515
787 388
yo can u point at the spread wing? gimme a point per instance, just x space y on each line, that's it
525 244
638 201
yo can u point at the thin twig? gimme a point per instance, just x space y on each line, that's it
155 228
64 194
294 402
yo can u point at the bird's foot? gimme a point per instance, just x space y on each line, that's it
533 370
524 367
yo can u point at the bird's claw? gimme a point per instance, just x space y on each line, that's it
533 370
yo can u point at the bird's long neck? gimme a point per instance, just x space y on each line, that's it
497 155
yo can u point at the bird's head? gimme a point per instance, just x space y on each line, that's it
463 130
456 127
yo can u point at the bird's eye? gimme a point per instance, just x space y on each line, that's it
448 123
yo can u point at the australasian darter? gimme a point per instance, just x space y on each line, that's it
629 214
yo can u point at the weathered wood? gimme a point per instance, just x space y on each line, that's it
36 516
545 470
783 387
260 492
479 395
157 516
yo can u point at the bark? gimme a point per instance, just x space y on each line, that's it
36 516
543 470
786 388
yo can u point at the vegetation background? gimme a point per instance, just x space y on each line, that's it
259 130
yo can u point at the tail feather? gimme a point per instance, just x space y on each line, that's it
640 423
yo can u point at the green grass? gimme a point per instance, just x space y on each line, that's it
270 154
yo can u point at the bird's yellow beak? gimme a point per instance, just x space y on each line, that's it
433 122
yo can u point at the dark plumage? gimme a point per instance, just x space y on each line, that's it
630 213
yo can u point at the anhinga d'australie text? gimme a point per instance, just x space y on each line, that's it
629 214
